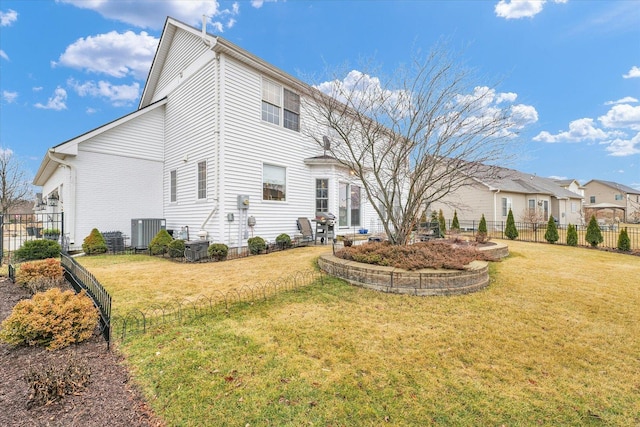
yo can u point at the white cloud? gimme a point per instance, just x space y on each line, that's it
625 100
90 110
620 147
114 54
558 178
7 18
258 3
56 102
37 88
153 13
118 95
523 115
4 55
516 9
9 97
579 130
622 116
506 97
633 73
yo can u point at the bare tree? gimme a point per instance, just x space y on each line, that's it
14 184
412 138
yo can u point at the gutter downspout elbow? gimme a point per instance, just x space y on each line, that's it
71 218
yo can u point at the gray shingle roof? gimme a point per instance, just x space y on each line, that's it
623 188
513 181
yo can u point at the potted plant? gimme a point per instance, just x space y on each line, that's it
51 233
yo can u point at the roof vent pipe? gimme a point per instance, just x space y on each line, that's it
204 30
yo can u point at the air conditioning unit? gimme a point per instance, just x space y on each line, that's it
145 229
196 250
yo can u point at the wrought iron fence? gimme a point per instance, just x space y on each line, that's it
534 232
177 312
81 279
16 229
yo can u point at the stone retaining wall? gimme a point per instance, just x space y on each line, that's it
418 282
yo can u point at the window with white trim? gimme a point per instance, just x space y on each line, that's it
322 195
349 205
202 180
506 205
280 105
173 186
574 207
274 182
618 197
532 206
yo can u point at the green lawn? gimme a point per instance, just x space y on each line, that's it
552 341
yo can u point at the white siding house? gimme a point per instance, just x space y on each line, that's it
214 123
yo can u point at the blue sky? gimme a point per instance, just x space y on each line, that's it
571 66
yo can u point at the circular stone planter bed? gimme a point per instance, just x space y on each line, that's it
422 282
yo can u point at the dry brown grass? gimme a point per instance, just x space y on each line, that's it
138 281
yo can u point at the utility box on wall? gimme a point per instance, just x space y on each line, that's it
145 229
243 201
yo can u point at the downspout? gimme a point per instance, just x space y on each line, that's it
202 234
71 217
495 209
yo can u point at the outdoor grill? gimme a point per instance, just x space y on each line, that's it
324 226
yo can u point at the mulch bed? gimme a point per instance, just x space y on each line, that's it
108 400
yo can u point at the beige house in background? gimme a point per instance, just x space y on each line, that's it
620 202
528 196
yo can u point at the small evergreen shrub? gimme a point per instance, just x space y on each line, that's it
159 245
442 223
455 224
49 384
37 276
551 235
594 235
38 249
572 235
176 248
256 245
283 241
94 243
510 230
53 319
482 236
624 243
218 251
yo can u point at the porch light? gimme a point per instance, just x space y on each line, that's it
53 199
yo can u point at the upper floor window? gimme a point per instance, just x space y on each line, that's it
202 180
618 197
280 105
592 199
274 182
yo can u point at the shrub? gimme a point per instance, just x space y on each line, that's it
53 319
551 235
94 243
510 230
594 235
455 224
160 242
283 241
256 245
572 235
38 249
442 223
176 248
218 251
624 243
49 384
482 236
39 275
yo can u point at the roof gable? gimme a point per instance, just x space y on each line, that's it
614 185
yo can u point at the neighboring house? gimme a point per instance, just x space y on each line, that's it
531 199
571 185
214 143
610 196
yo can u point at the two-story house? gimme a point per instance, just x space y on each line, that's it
621 201
214 147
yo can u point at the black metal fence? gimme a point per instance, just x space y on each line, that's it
177 312
534 232
16 229
81 279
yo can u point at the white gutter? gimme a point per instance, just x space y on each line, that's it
70 215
